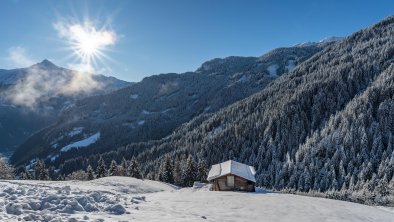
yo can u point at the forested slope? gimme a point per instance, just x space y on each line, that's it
325 126
156 106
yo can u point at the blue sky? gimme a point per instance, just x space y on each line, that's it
159 36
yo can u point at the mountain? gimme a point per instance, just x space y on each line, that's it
49 71
31 98
156 106
327 126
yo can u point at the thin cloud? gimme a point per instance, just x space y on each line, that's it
40 85
18 57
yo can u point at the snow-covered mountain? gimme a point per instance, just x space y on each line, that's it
330 39
153 108
326 40
326 126
14 76
31 98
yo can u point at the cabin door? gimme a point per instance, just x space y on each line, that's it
230 181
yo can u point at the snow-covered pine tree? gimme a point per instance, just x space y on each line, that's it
60 177
44 175
38 168
133 169
123 167
189 172
24 175
90 172
392 184
100 170
112 171
6 170
382 189
202 171
166 170
177 172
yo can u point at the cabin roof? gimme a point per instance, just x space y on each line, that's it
232 167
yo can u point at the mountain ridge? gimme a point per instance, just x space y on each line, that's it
30 100
171 99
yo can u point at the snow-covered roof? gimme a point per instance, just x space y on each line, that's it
232 167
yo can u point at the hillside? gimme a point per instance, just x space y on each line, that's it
156 106
127 199
31 98
325 126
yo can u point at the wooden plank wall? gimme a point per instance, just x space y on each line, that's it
220 184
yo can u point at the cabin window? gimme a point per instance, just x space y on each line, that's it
230 181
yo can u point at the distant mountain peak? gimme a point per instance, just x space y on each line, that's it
45 64
331 39
323 41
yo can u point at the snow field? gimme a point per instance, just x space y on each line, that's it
96 200
129 199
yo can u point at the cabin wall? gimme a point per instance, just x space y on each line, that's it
240 184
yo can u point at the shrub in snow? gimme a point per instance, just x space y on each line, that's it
78 175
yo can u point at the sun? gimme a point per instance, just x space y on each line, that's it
86 41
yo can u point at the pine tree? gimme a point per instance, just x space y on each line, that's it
382 189
90 173
24 176
113 168
166 170
301 183
60 177
202 171
189 172
392 184
38 168
100 170
6 170
44 173
351 183
133 169
177 172
123 167
307 180
41 172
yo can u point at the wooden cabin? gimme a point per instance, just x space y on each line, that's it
232 176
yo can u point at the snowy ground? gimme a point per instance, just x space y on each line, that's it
128 199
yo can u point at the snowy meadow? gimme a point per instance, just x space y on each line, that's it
130 199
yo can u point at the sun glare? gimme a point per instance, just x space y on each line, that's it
89 42
86 41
